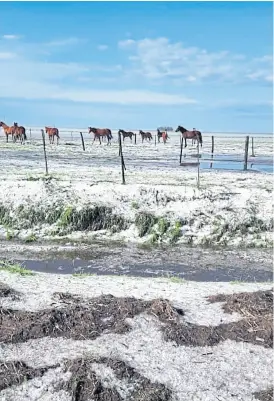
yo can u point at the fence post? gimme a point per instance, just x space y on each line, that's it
155 139
82 139
45 153
198 166
135 138
30 133
181 148
122 159
212 149
252 147
246 152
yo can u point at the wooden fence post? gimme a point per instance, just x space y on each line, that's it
198 166
82 139
252 147
135 138
155 139
122 159
212 149
246 152
45 153
181 148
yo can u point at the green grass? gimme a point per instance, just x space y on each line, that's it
15 268
177 280
30 238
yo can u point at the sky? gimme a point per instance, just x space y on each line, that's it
138 65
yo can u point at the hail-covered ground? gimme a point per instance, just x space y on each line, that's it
83 198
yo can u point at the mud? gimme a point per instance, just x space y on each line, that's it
79 319
6 291
84 385
264 395
15 373
256 327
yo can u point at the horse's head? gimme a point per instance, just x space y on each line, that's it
15 124
91 129
1 123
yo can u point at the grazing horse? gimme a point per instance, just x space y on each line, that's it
101 133
19 133
8 130
190 135
145 135
52 132
126 134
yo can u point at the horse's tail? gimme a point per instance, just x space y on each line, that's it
57 133
200 138
110 134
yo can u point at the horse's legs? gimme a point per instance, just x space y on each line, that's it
185 143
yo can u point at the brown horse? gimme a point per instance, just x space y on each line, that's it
101 133
52 132
19 133
190 135
126 134
8 130
145 135
163 135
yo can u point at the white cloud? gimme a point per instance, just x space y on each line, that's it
102 47
160 58
7 55
37 80
11 37
63 42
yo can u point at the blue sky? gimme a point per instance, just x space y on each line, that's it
136 65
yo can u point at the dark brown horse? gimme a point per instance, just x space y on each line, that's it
8 130
163 135
190 135
126 134
101 133
19 133
145 135
52 132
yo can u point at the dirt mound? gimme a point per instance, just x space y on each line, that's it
264 395
256 327
6 291
84 385
78 318
15 373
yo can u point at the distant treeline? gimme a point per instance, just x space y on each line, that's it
165 128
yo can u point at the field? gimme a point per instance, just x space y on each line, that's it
82 198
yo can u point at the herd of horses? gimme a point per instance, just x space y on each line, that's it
18 133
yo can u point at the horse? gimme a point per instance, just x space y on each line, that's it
159 134
126 134
52 132
8 130
101 133
190 135
162 134
165 137
19 133
145 135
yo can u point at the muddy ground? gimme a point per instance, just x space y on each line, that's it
78 318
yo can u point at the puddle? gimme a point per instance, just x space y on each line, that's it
143 269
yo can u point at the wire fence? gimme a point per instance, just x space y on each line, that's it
249 152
